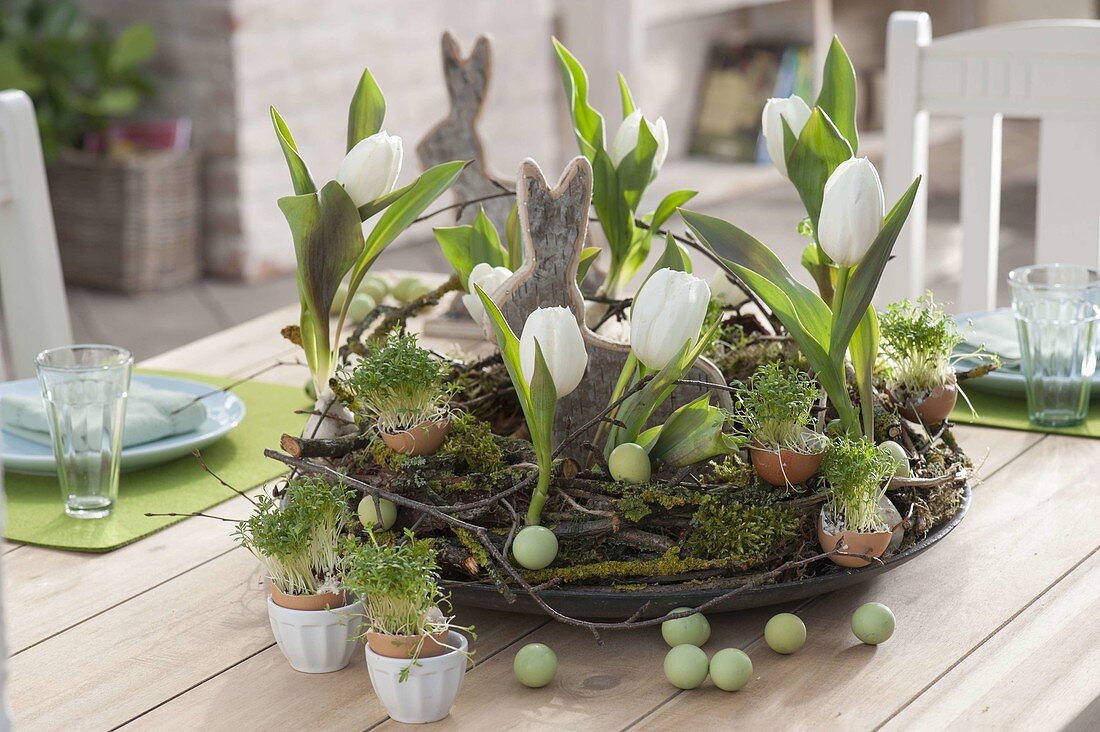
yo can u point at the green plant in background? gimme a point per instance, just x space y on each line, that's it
856 473
327 224
775 408
918 339
398 585
79 74
397 384
621 172
301 544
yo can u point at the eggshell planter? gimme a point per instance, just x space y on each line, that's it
316 641
423 439
935 407
404 646
430 689
784 467
323 601
855 542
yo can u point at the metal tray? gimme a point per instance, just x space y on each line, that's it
605 603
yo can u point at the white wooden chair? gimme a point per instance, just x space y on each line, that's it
1048 70
36 314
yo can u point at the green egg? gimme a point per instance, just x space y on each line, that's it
311 390
899 456
686 666
338 298
629 463
693 630
535 547
785 633
368 516
374 286
535 665
361 305
408 289
730 669
873 623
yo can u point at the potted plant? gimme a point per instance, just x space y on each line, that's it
774 410
854 519
415 657
301 547
918 340
401 387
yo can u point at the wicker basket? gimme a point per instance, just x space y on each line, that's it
129 224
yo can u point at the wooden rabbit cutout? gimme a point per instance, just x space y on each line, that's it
554 223
456 138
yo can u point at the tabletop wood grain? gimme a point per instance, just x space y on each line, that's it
998 625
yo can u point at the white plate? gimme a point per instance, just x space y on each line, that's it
1008 380
224 411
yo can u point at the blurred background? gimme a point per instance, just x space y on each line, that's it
164 170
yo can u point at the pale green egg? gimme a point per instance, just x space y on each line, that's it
535 665
375 286
785 633
361 305
693 630
899 456
408 289
730 669
686 666
629 463
368 516
338 298
873 623
535 547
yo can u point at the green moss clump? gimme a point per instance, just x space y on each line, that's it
385 457
739 533
731 471
471 445
470 543
887 423
637 587
638 501
668 563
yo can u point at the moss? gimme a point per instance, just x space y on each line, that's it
740 533
385 457
638 501
668 563
887 424
630 588
731 471
471 445
470 543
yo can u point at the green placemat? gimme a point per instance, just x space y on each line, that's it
35 514
994 410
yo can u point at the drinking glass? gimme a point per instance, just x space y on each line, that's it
1057 309
84 390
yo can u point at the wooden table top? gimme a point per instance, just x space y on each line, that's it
997 627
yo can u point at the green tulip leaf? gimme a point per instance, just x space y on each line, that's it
367 110
820 148
133 46
635 171
838 92
625 96
485 243
371 208
587 122
588 257
299 173
667 207
508 344
454 242
864 350
513 235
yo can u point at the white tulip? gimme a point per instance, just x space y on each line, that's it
559 336
488 278
851 211
667 312
724 291
626 139
370 169
792 109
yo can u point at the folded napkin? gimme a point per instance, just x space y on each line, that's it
994 332
151 414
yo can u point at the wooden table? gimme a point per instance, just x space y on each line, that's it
998 626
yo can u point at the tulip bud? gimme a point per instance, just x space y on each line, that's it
370 169
851 211
488 278
667 312
626 139
792 109
559 337
691 434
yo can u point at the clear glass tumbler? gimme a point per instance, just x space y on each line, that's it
84 390
1057 309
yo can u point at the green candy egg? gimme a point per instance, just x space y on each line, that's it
873 623
686 666
629 463
338 298
694 630
535 665
535 547
899 456
408 289
785 633
361 305
369 517
374 286
730 669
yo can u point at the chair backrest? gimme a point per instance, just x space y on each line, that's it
36 314
1048 70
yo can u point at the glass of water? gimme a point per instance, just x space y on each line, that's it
1057 309
84 390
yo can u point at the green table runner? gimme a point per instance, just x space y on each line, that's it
35 514
994 410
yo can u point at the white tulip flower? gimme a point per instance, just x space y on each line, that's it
792 109
370 169
626 139
559 336
851 211
724 291
489 278
667 312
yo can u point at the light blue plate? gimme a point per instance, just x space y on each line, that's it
1007 380
224 411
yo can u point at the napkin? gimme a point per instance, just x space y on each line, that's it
151 414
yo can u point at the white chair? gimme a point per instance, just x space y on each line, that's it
1046 70
36 314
